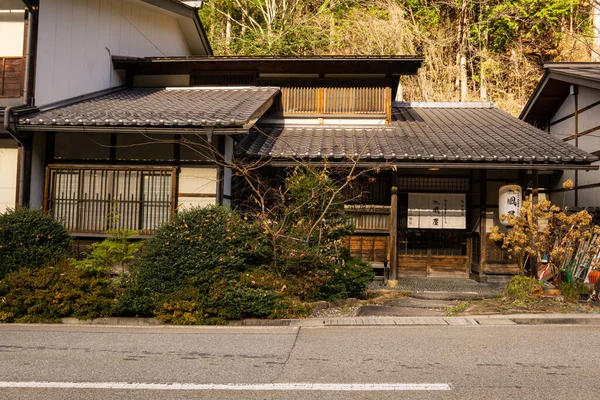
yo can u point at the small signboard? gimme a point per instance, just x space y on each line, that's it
436 211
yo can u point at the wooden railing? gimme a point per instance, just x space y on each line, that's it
335 100
11 76
369 218
92 200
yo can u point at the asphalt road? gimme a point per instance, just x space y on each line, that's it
487 362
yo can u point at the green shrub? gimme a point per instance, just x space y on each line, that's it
30 239
116 251
523 288
226 301
197 249
52 292
348 280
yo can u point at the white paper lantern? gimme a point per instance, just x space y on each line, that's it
509 201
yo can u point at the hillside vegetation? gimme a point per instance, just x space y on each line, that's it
474 49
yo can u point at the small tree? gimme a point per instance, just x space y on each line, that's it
117 251
544 229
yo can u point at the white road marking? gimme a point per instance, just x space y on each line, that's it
341 387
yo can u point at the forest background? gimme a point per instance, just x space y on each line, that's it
474 50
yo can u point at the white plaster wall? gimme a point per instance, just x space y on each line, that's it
197 180
564 129
12 29
77 39
587 119
589 197
8 176
587 96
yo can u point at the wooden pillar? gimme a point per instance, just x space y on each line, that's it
483 222
534 201
574 90
394 233
25 172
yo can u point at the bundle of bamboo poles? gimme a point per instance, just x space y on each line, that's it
581 261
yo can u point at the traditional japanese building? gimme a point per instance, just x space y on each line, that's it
433 171
143 121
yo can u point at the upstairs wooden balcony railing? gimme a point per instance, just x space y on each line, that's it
11 77
336 101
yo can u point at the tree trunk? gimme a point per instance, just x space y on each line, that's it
464 89
483 82
244 28
461 57
228 34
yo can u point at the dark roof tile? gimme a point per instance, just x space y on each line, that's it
421 132
161 107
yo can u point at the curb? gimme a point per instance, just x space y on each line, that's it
483 320
114 321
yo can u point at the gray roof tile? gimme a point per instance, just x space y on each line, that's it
428 133
161 107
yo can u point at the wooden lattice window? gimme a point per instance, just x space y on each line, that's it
95 199
433 184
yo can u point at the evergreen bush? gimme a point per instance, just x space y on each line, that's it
348 280
52 292
31 239
200 249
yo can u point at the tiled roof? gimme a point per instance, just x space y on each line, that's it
221 107
555 87
446 132
584 70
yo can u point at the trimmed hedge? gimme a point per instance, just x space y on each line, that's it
30 239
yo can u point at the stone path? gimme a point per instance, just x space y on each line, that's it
441 285
429 297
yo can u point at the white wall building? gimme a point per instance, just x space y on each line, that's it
72 43
566 104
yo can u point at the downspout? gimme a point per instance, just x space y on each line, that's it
25 159
27 92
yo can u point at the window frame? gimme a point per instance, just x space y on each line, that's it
91 216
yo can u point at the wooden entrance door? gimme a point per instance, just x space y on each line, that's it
429 253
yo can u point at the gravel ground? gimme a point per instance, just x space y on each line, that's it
441 285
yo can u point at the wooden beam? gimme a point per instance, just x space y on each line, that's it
576 116
394 232
534 201
483 222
